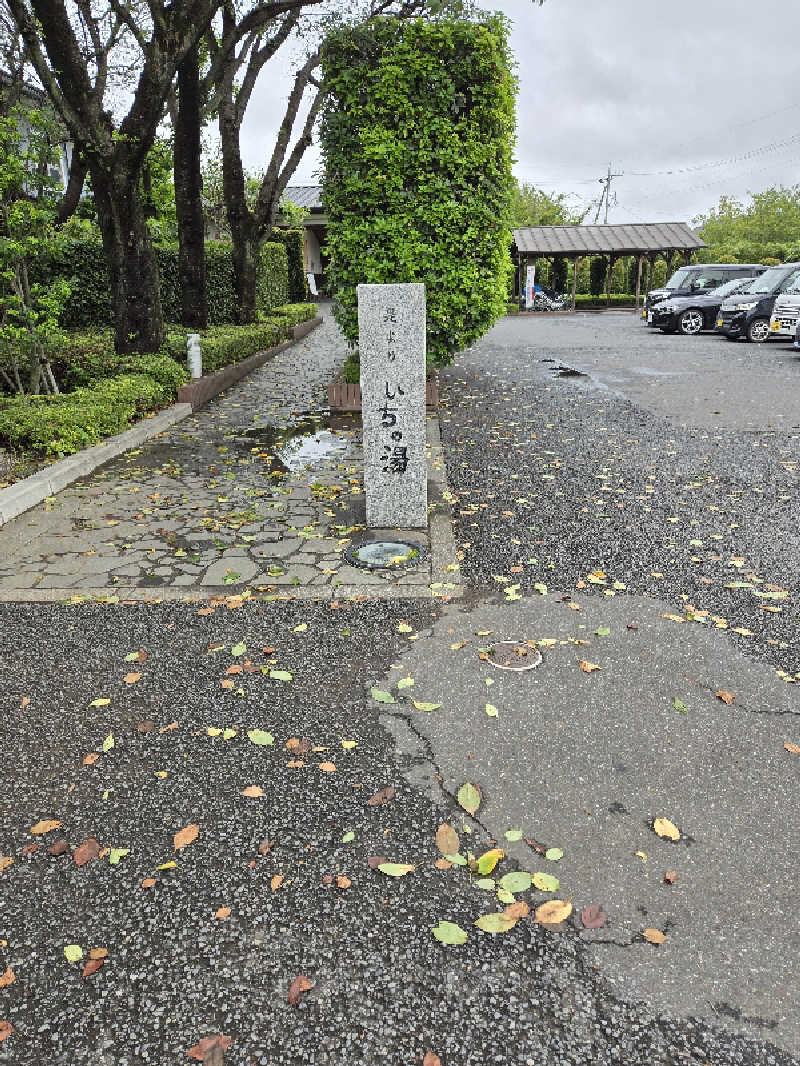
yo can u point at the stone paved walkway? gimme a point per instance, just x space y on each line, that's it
260 489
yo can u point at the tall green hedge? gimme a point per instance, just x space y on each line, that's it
81 262
417 135
292 240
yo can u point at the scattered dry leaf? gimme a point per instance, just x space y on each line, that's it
146 726
328 767
382 796
431 1059
211 1044
92 757
300 985
793 748
5 862
298 745
148 882
343 882
520 909
654 936
185 836
6 1029
98 953
553 912
28 849
447 839
92 966
86 851
665 828
44 826
222 912
265 847
275 882
374 861
132 677
443 864
253 791
166 728
593 917
7 978
295 764
58 847
671 877
725 696
587 667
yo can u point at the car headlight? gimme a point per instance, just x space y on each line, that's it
747 307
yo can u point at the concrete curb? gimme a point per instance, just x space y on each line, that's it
22 495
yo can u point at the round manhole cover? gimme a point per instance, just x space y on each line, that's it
384 554
515 655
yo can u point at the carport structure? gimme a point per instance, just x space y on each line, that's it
646 241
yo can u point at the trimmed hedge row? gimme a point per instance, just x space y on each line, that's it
61 425
80 260
100 405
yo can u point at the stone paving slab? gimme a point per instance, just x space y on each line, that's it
262 489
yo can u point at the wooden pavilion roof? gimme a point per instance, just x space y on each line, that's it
637 239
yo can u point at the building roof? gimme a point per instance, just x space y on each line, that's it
600 240
308 196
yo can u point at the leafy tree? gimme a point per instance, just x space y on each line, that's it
531 206
597 275
417 135
766 227
29 312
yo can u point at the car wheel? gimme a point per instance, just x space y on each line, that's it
758 330
690 322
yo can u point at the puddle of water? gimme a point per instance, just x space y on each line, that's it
301 445
568 372
649 372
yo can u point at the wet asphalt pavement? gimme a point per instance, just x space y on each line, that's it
560 454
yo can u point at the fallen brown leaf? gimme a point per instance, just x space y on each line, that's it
185 836
92 757
226 684
98 953
343 882
443 864
374 861
7 978
328 767
447 839
6 1029
5 862
148 882
793 748
45 826
166 728
587 667
86 851
431 1059
670 877
92 966
146 727
235 669
253 791
540 849
653 936
265 847
593 917
553 911
299 745
725 696
209 1044
28 849
382 796
275 882
300 985
295 764
222 912
205 610
58 847
132 677
520 909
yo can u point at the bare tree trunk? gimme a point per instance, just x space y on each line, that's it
132 264
189 195
244 234
72 193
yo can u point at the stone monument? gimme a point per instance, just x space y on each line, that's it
391 348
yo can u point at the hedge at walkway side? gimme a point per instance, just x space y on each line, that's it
81 262
292 240
417 134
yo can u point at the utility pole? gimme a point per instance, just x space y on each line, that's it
606 193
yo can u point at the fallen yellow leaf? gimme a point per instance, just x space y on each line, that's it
665 828
654 936
586 666
275 882
553 912
725 696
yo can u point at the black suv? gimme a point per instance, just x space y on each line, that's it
747 314
692 314
697 280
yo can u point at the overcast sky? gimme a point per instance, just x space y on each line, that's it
688 100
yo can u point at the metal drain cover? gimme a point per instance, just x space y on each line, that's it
384 554
514 655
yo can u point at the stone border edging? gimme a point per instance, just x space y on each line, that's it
30 491
200 391
24 494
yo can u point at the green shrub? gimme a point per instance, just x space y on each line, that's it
417 134
295 313
80 261
617 300
62 425
223 345
292 240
